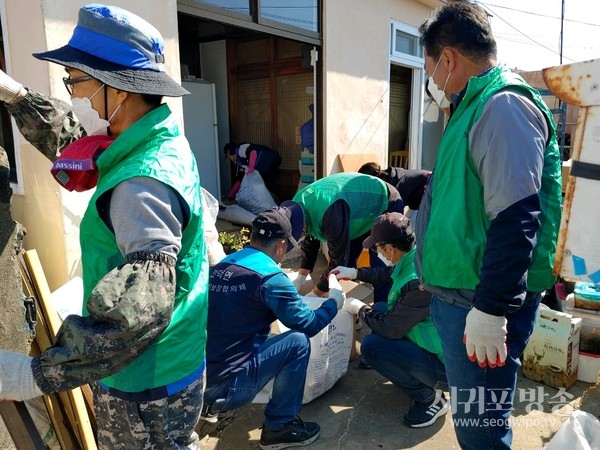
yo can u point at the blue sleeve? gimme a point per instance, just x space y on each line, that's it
282 298
511 238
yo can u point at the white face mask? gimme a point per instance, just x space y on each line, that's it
386 261
88 117
436 93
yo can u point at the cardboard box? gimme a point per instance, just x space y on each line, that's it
307 157
589 341
307 173
552 354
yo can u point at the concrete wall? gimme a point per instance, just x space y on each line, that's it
356 66
50 214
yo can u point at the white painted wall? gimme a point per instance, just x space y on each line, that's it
356 63
50 214
213 57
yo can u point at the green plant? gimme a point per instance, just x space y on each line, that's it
233 241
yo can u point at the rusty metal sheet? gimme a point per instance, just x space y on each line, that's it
578 251
577 84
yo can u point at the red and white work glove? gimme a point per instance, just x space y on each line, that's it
485 338
336 292
16 377
10 89
345 273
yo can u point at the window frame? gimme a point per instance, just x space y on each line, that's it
401 57
253 21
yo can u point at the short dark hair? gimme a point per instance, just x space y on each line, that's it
375 170
461 25
262 240
229 148
370 168
152 100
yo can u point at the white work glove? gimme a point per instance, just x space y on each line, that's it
485 338
16 377
299 281
345 273
10 89
353 305
336 292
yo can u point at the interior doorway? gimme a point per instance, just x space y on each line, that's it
400 101
264 85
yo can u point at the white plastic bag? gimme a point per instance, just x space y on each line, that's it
210 210
581 431
329 354
236 214
253 194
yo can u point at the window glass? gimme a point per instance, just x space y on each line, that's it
238 6
299 13
408 44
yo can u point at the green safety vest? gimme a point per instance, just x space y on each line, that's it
455 238
154 147
366 196
424 334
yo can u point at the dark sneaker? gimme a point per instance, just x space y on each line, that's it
208 416
363 364
425 414
295 434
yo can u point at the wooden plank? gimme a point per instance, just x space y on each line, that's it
56 410
20 426
42 340
73 400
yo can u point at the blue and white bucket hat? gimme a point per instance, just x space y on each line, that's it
119 49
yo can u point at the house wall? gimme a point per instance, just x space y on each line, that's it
356 66
355 95
50 214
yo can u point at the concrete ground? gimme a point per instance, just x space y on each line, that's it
364 411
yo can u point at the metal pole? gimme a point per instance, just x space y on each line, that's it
562 20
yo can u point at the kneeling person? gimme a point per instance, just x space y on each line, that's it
404 345
249 291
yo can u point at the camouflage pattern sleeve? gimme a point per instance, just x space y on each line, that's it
128 309
46 122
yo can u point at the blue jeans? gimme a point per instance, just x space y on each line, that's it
283 357
482 398
409 367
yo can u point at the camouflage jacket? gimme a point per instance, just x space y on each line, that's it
46 122
82 352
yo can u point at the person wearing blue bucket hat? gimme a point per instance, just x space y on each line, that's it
140 341
248 292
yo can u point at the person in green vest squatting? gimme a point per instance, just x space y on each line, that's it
340 209
404 345
140 342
